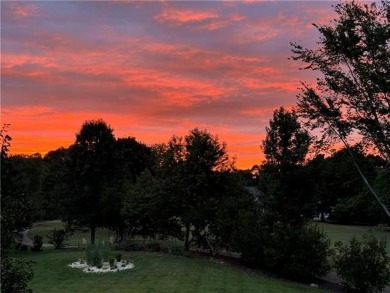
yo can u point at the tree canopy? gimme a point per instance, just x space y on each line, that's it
353 94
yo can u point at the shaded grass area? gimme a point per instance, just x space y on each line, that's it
153 272
344 233
77 239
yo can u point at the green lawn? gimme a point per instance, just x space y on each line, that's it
344 233
79 236
153 272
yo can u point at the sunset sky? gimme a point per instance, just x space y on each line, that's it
151 69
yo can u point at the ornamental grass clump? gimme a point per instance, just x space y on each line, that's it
97 253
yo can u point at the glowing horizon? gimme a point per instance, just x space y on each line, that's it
151 69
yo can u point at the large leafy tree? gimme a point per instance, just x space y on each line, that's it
289 244
58 186
353 95
287 193
339 189
131 159
195 162
92 159
15 216
189 181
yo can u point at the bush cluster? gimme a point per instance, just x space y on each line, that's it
37 243
363 265
298 252
57 237
15 274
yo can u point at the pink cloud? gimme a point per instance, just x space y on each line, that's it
180 17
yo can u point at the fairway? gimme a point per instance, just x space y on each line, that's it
153 272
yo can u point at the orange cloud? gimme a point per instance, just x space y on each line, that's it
180 17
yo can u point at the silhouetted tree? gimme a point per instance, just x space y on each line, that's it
15 216
354 94
286 187
92 157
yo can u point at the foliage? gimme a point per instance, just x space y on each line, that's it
93 256
15 274
286 187
131 159
353 96
97 253
248 237
353 57
92 161
339 190
37 243
15 211
57 186
57 237
363 265
382 183
118 256
286 143
299 252
148 208
183 191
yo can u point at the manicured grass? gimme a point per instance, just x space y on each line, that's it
77 239
153 272
344 233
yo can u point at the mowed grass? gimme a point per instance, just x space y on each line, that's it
77 239
344 233
153 272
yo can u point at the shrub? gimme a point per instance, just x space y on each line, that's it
15 274
37 243
363 265
93 256
111 260
298 252
97 253
247 237
118 257
58 237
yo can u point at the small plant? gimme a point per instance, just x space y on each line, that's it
93 255
363 265
118 257
57 237
105 250
37 243
111 260
97 253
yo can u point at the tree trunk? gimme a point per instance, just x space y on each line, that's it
187 242
93 233
322 216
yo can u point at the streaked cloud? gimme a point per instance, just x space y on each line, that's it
151 69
